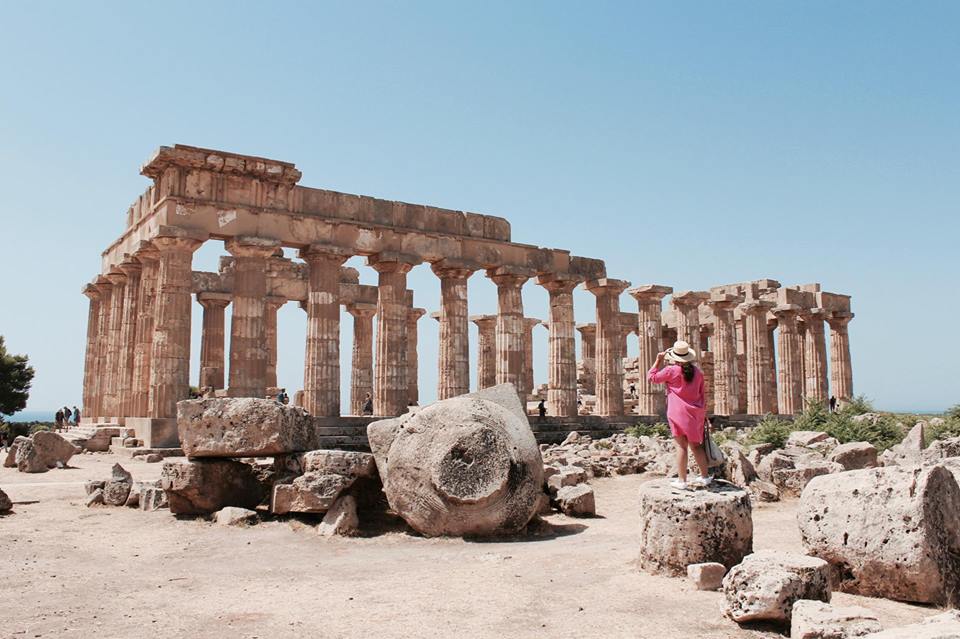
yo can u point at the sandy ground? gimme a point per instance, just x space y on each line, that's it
70 571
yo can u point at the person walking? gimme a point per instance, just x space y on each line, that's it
686 407
367 405
76 416
542 410
58 420
67 414
833 404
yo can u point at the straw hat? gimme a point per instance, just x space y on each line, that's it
680 353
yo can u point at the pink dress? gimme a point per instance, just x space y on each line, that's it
686 409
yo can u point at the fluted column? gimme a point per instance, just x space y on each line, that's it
772 365
758 357
453 374
841 370
687 307
509 332
790 350
321 362
111 397
725 382
361 372
90 355
170 358
562 358
142 351
651 399
815 355
609 362
486 350
128 336
741 334
105 288
391 394
526 381
413 360
212 339
588 357
271 306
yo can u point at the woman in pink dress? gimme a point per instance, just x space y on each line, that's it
686 407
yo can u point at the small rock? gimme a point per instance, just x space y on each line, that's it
577 501
93 485
818 620
706 576
5 503
341 519
233 516
95 498
153 458
153 499
764 491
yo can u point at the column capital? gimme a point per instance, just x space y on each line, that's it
509 276
453 268
319 251
723 301
484 320
755 307
414 314
436 315
649 292
214 300
175 244
130 267
246 246
555 283
587 329
531 322
117 277
785 311
689 299
91 291
361 309
274 301
839 320
606 286
146 252
392 262
809 314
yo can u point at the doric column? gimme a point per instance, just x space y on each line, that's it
649 330
758 357
105 288
361 372
790 350
562 357
772 364
111 398
686 304
412 338
272 304
148 258
741 334
841 370
453 369
815 355
128 336
170 358
90 355
609 362
321 362
248 339
391 394
486 350
725 382
526 382
588 357
212 339
509 333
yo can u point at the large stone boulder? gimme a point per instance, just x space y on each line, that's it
41 451
243 427
792 481
946 625
463 466
766 584
908 452
818 620
577 501
683 527
204 486
310 493
855 455
889 532
10 461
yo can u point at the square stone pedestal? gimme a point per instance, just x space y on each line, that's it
155 432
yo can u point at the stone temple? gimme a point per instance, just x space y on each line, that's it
763 346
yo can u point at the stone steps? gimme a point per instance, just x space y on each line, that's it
141 451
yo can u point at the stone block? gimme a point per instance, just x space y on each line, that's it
338 462
153 499
233 516
577 501
341 519
95 498
566 476
243 427
706 576
204 486
155 432
117 490
683 527
93 485
855 455
805 438
309 493
943 626
5 503
766 584
818 620
792 481
764 491
887 532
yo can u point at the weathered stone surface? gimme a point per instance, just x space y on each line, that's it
117 490
153 458
243 427
341 519
93 485
764 491
804 438
309 493
29 458
766 584
566 476
706 576
199 487
54 449
153 499
908 452
737 468
943 626
818 620
5 503
10 461
683 527
887 532
234 516
95 498
463 466
792 481
338 462
577 501
855 455
941 449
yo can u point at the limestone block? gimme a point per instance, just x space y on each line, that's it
855 455
804 438
566 476
463 466
203 486
766 584
341 519
908 452
5 503
153 499
29 459
818 620
116 491
233 516
737 468
706 576
943 626
792 481
93 485
243 427
10 461
887 532
338 462
941 449
577 501
309 493
683 527
95 498
764 491
54 448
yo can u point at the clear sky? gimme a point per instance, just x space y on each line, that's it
685 143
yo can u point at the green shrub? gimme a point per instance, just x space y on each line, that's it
952 413
858 406
813 417
770 431
949 428
659 429
883 432
23 429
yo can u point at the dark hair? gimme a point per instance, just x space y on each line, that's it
688 371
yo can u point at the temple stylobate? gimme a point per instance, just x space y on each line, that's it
137 364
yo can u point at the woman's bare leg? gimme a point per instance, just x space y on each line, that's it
681 457
700 454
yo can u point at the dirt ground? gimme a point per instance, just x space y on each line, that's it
70 571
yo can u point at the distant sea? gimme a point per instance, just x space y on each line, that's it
31 416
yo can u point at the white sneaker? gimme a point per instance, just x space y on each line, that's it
679 485
703 481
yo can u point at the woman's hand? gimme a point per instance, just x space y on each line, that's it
660 357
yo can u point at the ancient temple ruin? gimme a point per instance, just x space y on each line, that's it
137 363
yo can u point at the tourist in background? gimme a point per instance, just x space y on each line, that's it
67 414
833 404
76 416
686 407
58 420
367 405
542 410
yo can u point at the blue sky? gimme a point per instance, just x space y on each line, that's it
685 143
